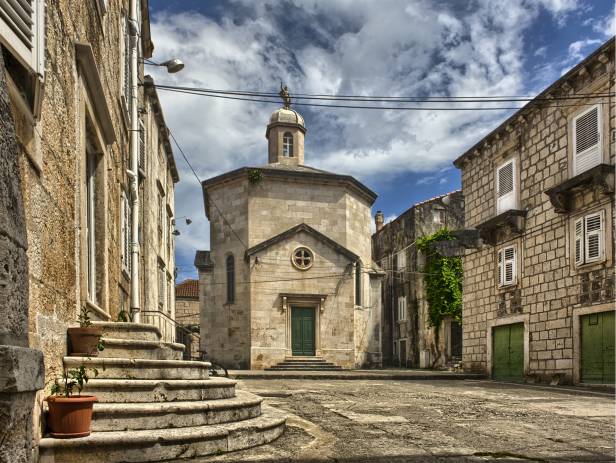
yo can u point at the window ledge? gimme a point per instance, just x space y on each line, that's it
96 309
513 220
600 178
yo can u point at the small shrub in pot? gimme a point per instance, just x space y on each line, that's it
85 341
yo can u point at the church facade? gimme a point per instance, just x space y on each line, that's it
290 271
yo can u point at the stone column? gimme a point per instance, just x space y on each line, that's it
22 370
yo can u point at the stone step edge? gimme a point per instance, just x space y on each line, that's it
263 422
152 383
143 363
141 343
241 400
128 326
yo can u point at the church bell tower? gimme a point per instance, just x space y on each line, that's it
285 134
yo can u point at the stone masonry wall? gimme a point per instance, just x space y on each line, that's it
549 289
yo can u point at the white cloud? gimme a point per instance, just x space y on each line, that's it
358 47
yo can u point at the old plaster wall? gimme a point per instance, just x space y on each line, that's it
550 289
270 333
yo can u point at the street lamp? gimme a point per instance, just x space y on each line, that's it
173 65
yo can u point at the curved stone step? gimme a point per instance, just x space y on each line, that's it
141 349
159 390
129 330
127 368
165 444
163 415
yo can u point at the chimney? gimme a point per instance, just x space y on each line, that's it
379 218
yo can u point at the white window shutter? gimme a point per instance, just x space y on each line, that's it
587 140
500 268
141 146
594 237
22 31
505 187
507 266
126 90
579 242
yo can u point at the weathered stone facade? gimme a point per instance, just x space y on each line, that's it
548 291
408 338
259 217
73 157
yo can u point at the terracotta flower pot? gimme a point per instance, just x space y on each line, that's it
70 416
83 342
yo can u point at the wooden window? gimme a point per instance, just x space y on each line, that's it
401 308
141 148
505 187
587 140
91 198
358 283
590 238
161 287
507 271
230 279
22 32
126 50
401 261
287 145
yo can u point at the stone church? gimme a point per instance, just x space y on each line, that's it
290 273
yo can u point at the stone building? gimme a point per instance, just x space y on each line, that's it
65 103
187 315
539 292
408 338
290 270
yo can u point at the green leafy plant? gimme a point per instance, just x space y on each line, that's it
124 316
443 279
84 317
255 175
71 379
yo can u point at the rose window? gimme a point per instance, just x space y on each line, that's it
302 258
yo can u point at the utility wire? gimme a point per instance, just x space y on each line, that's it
200 184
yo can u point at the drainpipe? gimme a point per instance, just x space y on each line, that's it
134 162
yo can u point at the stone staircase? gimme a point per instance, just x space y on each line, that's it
304 364
152 406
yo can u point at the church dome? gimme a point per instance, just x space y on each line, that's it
285 115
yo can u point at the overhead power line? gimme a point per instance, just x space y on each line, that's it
270 98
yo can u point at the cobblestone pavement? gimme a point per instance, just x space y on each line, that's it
432 421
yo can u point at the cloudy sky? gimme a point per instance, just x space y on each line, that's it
356 47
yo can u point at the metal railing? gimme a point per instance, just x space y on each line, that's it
172 331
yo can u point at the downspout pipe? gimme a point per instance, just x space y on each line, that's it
135 306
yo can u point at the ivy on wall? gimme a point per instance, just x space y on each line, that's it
443 279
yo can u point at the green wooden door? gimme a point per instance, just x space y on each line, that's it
302 330
508 352
597 341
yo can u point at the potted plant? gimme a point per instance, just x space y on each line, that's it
70 415
85 341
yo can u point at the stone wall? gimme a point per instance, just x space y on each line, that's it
549 293
422 347
21 368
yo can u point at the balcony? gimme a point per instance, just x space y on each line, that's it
505 224
600 178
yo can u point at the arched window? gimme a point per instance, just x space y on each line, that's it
230 279
287 145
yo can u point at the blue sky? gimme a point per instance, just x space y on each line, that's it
365 47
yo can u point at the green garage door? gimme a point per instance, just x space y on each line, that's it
597 348
508 352
302 330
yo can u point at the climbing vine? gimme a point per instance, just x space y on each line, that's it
443 279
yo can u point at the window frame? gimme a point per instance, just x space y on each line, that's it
583 239
287 144
125 233
401 309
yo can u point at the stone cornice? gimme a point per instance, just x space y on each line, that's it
600 177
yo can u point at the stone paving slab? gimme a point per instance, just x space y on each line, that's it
392 374
445 421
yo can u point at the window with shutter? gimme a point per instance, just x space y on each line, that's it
126 87
402 308
401 261
505 187
22 32
579 242
507 266
593 245
587 140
